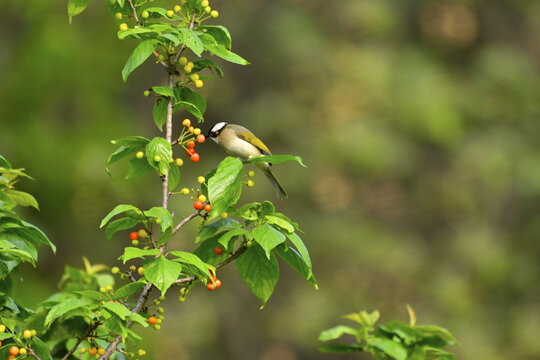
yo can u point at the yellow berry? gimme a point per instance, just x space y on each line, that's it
207 9
201 179
34 332
139 155
197 131
157 158
115 270
170 13
101 351
109 288
190 64
214 13
171 160
202 198
142 352
27 334
123 26
224 215
140 271
2 328
204 3
23 352
102 289
199 83
185 191
250 183
132 268
186 122
187 69
118 16
183 60
177 8
251 173
83 350
183 2
142 233
191 129
179 162
145 14
194 77
157 327
135 242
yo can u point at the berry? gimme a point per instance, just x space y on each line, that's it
101 351
34 332
160 58
145 14
191 144
139 155
190 151
187 68
210 286
218 283
92 351
179 162
83 350
140 271
146 93
14 350
23 352
218 250
190 64
194 77
161 298
170 13
204 3
115 270
132 268
2 328
224 215
208 207
134 235
142 233
201 198
161 310
214 13
207 9
141 351
196 131
171 160
251 173
195 157
191 129
123 26
118 16
201 179
157 327
199 83
109 288
183 61
185 191
11 357
157 158
102 289
198 205
250 183
152 320
201 138
27 334
186 122
135 242
177 8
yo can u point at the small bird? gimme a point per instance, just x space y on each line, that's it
242 143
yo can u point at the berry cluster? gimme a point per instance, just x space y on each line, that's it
142 235
213 282
188 138
23 339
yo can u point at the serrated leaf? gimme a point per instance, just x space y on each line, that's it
125 291
163 215
133 252
160 112
214 48
22 198
192 259
120 224
268 237
225 187
276 159
159 147
118 309
163 90
192 40
336 332
139 56
219 33
211 229
259 273
118 210
162 272
40 348
138 168
62 308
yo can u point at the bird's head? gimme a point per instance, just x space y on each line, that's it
216 130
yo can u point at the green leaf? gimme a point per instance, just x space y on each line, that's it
128 147
276 159
118 309
22 198
127 290
192 41
340 348
159 146
205 63
163 90
75 7
174 177
390 348
192 259
138 142
161 272
219 33
41 349
267 237
4 336
62 308
439 354
138 168
118 210
91 294
214 48
206 253
284 224
160 112
437 330
293 258
4 163
133 252
138 319
163 215
157 10
226 237
34 235
225 187
139 56
191 101
120 224
134 32
210 230
337 332
259 273
299 244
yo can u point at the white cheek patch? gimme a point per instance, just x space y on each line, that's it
218 127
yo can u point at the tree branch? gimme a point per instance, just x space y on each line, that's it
134 12
186 220
81 339
33 353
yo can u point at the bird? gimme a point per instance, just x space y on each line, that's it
242 143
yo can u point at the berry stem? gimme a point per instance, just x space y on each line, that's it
87 333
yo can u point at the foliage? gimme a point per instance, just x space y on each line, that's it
394 340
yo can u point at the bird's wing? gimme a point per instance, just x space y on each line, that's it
248 136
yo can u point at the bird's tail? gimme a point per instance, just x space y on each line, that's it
280 193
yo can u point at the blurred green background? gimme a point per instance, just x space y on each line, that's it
419 122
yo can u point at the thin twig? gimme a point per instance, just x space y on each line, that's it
185 280
232 257
33 353
134 12
191 25
81 339
186 220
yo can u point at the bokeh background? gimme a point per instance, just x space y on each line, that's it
419 122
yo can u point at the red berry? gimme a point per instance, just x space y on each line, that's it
195 157
14 350
134 236
198 205
218 283
152 320
200 138
210 286
191 151
191 144
218 250
11 357
207 207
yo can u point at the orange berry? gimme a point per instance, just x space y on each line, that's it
14 350
200 138
207 207
92 351
195 157
218 250
210 286
191 144
186 122
218 283
134 235
198 205
152 320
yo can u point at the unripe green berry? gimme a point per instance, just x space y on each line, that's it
207 9
157 158
118 15
145 14
161 298
185 191
160 310
170 13
214 13
157 327
183 60
135 242
139 155
157 302
132 268
179 162
147 93
194 77
177 8
141 352
160 58
102 289
181 299
250 183
251 173
161 317
159 321
115 270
